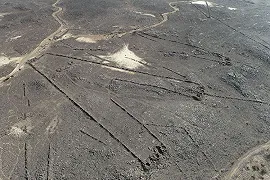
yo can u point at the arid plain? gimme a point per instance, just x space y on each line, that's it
135 89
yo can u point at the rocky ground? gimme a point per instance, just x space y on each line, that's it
135 89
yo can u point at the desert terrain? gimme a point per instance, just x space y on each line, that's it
135 89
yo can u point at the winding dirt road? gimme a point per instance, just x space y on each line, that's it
45 44
121 34
164 19
239 165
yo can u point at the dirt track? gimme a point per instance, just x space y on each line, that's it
136 90
42 47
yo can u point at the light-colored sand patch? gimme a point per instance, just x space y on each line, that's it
90 38
204 3
53 125
17 132
65 36
16 37
233 9
21 128
144 14
117 69
6 60
3 14
86 40
125 58
83 38
105 62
